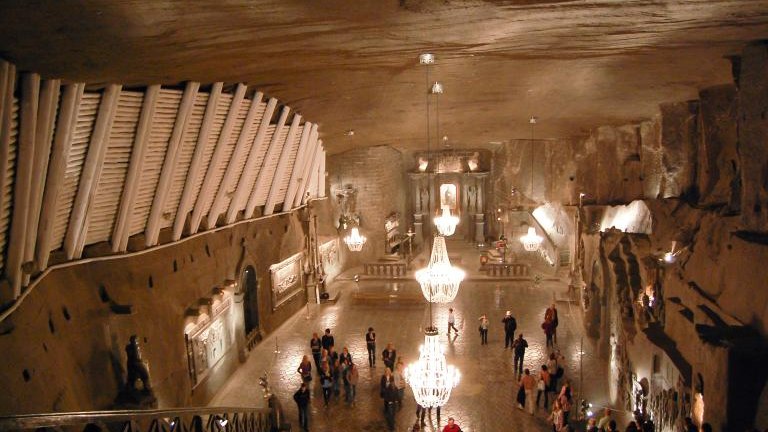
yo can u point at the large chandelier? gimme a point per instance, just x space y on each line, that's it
354 240
439 280
446 222
430 378
531 241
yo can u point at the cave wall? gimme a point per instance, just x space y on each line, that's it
64 346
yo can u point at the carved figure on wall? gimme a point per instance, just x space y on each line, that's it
448 196
423 200
137 369
472 194
473 161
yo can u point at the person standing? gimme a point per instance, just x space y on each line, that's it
302 402
528 382
483 330
390 399
451 426
386 380
556 417
510 325
542 387
336 376
345 356
327 340
549 329
305 370
452 322
518 347
551 315
352 378
606 418
565 400
370 343
326 382
399 379
389 355
316 346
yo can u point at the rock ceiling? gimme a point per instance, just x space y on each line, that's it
352 64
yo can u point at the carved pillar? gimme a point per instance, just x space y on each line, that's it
480 228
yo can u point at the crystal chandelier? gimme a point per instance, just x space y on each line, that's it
439 280
430 378
446 223
354 240
531 241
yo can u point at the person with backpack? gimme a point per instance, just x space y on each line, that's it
510 325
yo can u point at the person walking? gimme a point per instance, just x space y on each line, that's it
565 400
370 343
352 378
389 355
528 382
483 330
305 369
302 403
326 382
385 381
390 400
316 346
336 376
549 329
345 356
510 325
518 347
452 322
542 387
327 340
551 315
399 378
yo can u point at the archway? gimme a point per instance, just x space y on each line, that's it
250 285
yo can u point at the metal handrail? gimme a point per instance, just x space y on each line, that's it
211 419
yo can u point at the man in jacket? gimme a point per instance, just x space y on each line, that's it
302 402
519 347
510 325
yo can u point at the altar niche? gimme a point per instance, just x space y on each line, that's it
453 179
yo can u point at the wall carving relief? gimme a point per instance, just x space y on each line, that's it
208 339
286 279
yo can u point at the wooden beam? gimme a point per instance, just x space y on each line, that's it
262 178
321 176
49 101
30 92
77 229
312 180
65 129
218 155
304 179
237 154
169 163
298 166
7 85
197 161
121 231
250 169
282 166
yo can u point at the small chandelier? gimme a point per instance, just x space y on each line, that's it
446 223
531 241
354 240
440 280
430 378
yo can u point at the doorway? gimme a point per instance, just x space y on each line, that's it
250 300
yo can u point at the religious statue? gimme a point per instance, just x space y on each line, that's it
423 200
131 396
472 204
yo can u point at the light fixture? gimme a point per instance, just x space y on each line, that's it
439 280
446 222
531 241
354 240
222 422
431 378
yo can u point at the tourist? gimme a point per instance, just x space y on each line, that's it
510 325
370 343
542 387
549 329
551 315
326 382
302 402
592 425
305 369
399 379
352 377
520 395
389 355
451 426
603 423
528 382
385 381
390 399
557 417
345 356
333 356
327 340
316 346
483 330
452 322
518 347
565 400
556 371
324 360
336 376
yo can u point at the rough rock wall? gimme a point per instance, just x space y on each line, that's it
63 348
377 174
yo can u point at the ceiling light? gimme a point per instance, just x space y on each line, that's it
354 240
439 280
446 222
427 58
431 378
531 241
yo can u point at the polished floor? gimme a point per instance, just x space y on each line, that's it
485 398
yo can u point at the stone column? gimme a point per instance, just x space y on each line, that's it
479 228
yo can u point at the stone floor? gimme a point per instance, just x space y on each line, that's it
484 399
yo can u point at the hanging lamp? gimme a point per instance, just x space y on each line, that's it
439 280
531 241
354 240
431 378
445 222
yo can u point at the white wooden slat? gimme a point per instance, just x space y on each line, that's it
304 179
199 160
236 161
169 163
46 122
264 178
109 190
121 228
282 168
298 167
30 92
282 188
312 176
185 159
89 179
8 133
166 109
217 162
259 147
86 116
321 177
